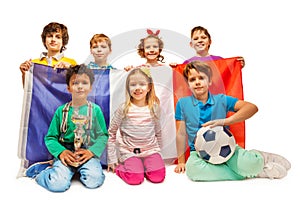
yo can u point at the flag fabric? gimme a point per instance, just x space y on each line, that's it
45 89
226 79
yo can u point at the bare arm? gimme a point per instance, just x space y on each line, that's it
180 144
243 110
24 67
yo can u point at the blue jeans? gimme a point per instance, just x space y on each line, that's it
58 178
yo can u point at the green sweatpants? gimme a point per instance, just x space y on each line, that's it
243 164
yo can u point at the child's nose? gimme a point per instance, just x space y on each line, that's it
151 49
80 85
138 87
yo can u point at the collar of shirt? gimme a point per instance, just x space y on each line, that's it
210 100
93 65
49 59
56 57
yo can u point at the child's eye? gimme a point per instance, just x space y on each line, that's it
192 79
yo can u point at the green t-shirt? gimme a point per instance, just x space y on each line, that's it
98 132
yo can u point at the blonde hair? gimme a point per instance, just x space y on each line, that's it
100 38
151 99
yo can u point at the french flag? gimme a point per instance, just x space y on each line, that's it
45 89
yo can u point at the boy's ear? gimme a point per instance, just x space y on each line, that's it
210 41
68 88
191 45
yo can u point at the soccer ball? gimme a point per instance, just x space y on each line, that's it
215 145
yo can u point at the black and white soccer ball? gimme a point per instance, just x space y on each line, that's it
215 145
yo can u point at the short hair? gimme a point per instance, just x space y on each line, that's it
201 29
100 38
79 69
199 67
56 27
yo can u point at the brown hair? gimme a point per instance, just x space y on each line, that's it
141 47
79 69
55 27
201 29
199 67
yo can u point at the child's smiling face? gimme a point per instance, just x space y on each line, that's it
54 41
199 83
151 49
138 88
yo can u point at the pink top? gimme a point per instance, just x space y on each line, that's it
203 59
137 130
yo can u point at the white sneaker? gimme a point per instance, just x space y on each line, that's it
272 170
272 157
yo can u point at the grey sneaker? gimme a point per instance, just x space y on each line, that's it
272 157
272 170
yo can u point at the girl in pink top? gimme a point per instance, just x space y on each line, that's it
134 154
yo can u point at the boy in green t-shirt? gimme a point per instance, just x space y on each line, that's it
62 131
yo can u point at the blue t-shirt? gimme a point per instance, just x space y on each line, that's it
194 113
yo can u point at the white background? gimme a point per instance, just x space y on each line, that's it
265 33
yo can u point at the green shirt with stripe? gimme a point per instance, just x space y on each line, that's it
98 132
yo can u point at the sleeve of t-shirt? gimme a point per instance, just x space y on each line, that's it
179 111
231 101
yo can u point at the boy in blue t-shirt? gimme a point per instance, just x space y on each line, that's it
100 48
205 109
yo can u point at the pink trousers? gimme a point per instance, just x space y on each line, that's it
135 169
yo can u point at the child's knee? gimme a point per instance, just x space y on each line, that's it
55 185
131 178
156 176
250 163
92 180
